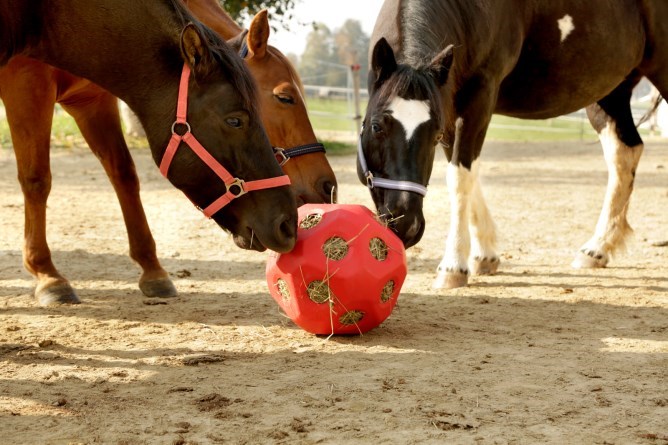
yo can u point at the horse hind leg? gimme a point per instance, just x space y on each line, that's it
98 119
622 147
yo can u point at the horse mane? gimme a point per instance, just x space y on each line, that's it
429 26
231 64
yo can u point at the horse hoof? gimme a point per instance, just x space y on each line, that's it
485 266
61 293
451 280
589 260
160 288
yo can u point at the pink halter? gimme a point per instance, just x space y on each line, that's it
235 187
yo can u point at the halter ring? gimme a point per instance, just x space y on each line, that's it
180 123
240 184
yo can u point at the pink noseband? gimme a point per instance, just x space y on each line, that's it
235 187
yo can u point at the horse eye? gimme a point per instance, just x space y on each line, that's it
233 122
285 99
376 128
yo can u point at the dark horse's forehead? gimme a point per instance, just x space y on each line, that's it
410 96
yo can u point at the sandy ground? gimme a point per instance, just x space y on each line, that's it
540 353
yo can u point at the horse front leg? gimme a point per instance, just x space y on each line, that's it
96 113
622 147
29 98
472 237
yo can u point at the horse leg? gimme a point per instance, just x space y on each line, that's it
467 205
98 119
483 260
622 146
30 114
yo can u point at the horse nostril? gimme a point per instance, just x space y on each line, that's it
286 231
328 192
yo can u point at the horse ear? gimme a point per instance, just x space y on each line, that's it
441 64
258 34
193 48
383 62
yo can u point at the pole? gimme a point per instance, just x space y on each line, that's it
355 71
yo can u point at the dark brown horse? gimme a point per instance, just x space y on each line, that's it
143 68
441 68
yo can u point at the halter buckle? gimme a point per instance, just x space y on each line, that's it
281 157
180 123
240 184
369 180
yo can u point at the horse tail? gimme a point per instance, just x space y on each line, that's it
647 116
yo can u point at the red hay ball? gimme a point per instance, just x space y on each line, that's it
344 274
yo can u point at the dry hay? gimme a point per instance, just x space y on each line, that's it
310 221
387 291
351 317
283 289
319 292
378 249
335 248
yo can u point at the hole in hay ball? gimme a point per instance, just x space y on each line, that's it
283 289
387 291
310 221
318 291
335 248
351 317
378 249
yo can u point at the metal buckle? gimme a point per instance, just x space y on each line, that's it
240 183
281 157
369 180
180 123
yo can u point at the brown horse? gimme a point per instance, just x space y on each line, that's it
281 98
160 38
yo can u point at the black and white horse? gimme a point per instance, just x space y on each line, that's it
441 68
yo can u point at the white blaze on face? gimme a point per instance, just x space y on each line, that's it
410 113
565 26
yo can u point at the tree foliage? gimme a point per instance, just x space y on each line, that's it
328 55
281 11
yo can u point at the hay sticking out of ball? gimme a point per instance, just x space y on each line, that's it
387 291
283 289
378 249
351 317
335 248
310 221
319 292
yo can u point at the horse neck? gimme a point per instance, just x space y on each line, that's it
212 15
140 63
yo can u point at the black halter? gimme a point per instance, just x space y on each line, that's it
283 155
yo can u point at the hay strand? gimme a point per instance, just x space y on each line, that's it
319 292
310 221
387 291
351 317
283 289
378 249
335 248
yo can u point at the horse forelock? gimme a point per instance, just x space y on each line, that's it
411 84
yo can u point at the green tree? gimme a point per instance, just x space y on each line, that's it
242 10
315 65
351 44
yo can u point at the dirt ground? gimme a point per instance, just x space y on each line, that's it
540 353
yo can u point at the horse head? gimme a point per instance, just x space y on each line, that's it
403 124
222 115
283 110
